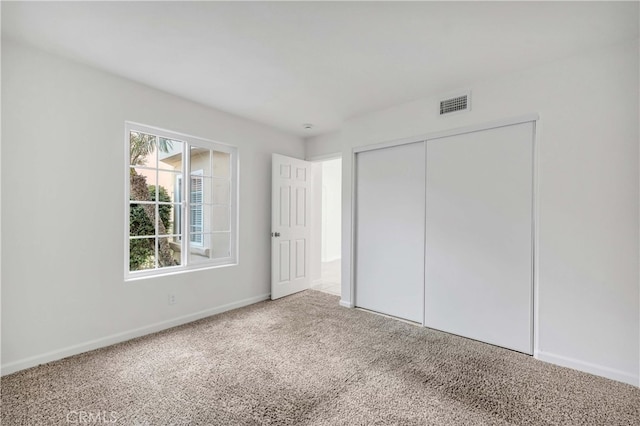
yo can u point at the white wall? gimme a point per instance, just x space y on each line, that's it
331 209
323 147
63 209
588 196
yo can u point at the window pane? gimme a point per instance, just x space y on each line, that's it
221 191
201 189
166 219
221 220
196 224
199 252
214 246
196 189
168 252
142 254
220 245
200 219
221 164
169 154
140 181
200 161
169 189
141 219
178 211
142 148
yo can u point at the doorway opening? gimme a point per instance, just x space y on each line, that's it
327 218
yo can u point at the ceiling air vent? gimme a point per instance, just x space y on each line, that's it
459 103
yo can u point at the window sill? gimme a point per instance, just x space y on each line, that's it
176 270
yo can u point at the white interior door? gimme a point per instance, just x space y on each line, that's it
479 198
390 231
290 225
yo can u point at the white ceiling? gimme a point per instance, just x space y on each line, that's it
289 63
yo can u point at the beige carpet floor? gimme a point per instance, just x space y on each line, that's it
303 360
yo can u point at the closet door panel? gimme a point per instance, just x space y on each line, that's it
390 231
478 270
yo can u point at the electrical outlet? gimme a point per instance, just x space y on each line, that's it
172 299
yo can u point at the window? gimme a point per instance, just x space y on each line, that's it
173 223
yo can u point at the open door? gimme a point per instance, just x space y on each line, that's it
290 225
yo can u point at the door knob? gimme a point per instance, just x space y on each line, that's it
277 234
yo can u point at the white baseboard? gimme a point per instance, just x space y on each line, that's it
33 361
587 367
346 304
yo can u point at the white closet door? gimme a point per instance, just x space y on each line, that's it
390 231
478 274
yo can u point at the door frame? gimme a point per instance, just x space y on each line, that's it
532 117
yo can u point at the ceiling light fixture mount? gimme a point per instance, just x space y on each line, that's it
307 126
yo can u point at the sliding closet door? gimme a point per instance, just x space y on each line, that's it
390 231
478 273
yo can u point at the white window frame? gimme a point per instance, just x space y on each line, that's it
188 141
